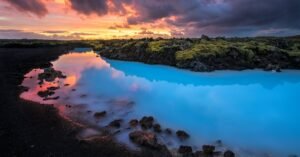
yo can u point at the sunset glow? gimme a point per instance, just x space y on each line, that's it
108 19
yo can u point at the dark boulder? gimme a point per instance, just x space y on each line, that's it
208 149
168 131
144 138
100 114
185 150
115 123
146 122
50 75
199 66
133 123
45 93
51 98
229 153
53 88
157 128
182 135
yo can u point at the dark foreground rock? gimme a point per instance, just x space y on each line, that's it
185 150
146 122
182 135
144 138
30 129
100 114
134 123
229 153
208 149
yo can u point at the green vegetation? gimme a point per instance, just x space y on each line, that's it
157 46
184 49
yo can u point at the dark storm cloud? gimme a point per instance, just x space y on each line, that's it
232 17
88 7
32 6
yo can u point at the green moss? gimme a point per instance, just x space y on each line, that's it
157 46
295 50
203 48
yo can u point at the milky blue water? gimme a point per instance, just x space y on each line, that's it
253 112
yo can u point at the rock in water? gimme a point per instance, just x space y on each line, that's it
157 128
147 122
182 135
185 150
229 153
144 138
133 123
100 114
116 123
208 149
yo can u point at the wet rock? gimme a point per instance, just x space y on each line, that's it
199 66
208 149
277 68
116 123
45 93
271 67
51 98
146 122
157 128
182 135
185 150
229 153
144 138
133 122
100 114
50 75
168 131
53 88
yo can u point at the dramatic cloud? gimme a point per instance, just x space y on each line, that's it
205 16
90 6
36 7
173 18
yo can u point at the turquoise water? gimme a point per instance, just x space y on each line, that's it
254 113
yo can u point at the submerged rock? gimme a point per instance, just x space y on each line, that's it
144 138
208 149
146 122
133 123
51 98
116 123
229 153
45 93
53 88
168 131
100 114
157 128
185 150
182 135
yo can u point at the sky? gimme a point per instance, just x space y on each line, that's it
119 19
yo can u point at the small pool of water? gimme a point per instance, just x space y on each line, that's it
254 113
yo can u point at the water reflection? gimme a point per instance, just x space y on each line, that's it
252 110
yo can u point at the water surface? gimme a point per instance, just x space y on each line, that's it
254 113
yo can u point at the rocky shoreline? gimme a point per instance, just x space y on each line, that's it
143 132
230 55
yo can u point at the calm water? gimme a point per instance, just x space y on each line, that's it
254 113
